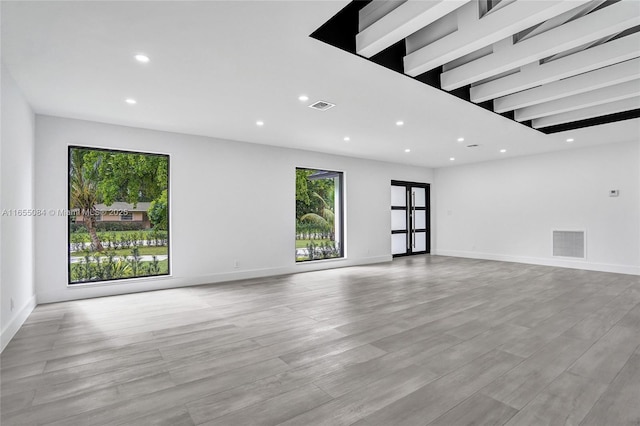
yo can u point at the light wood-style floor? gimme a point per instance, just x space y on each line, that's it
423 340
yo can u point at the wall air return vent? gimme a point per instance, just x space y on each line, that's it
569 244
322 105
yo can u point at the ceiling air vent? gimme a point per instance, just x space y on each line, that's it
322 105
474 145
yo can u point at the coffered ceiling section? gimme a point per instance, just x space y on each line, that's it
552 65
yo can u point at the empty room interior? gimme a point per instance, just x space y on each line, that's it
388 212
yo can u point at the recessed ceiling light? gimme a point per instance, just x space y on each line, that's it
407 150
303 98
452 159
570 140
142 58
347 138
399 123
503 150
259 123
130 101
460 139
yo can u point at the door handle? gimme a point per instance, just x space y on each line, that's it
413 218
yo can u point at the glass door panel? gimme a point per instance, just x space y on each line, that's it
399 243
420 219
419 242
419 196
398 220
398 196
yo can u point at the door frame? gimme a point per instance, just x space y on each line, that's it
408 207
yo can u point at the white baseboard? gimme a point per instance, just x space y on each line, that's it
14 325
86 291
162 283
562 263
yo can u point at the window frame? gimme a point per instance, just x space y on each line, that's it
71 219
339 217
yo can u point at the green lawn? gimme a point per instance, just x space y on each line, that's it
304 243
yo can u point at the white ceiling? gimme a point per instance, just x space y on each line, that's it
219 66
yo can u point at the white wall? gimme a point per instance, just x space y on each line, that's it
506 210
17 291
230 201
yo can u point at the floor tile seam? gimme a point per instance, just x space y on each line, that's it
478 392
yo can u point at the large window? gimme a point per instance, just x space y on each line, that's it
118 215
319 215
